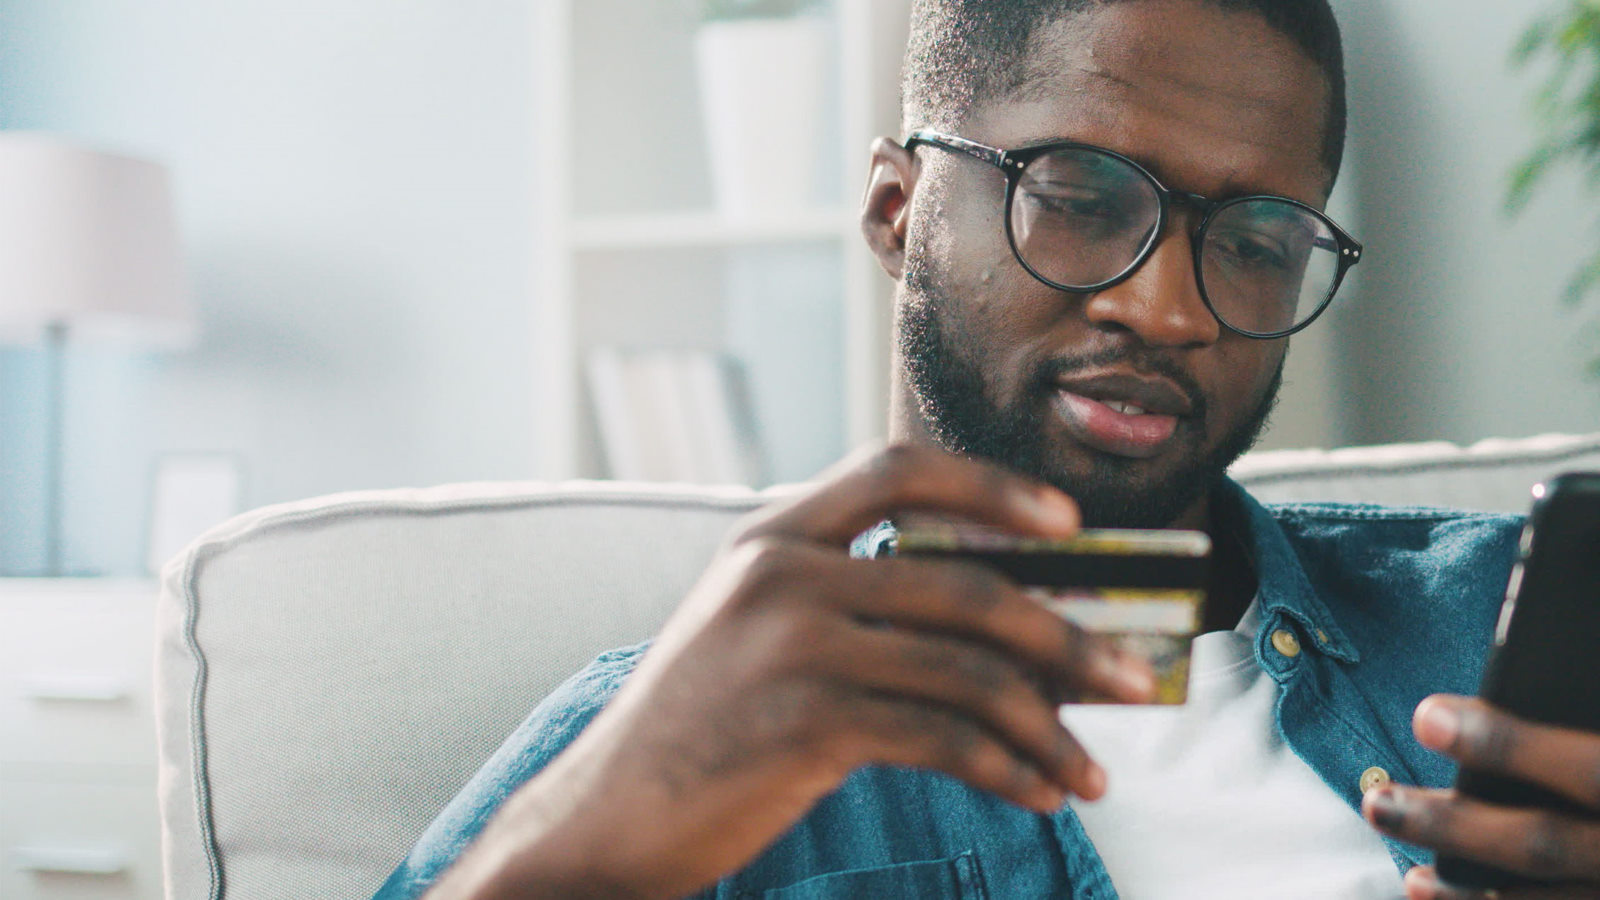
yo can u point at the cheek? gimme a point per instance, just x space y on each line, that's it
1260 359
1000 335
964 214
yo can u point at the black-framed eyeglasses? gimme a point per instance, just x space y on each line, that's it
1082 218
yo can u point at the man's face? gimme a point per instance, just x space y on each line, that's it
1000 365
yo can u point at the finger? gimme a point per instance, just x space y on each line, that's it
900 732
970 600
1422 883
1532 842
974 681
871 486
1487 739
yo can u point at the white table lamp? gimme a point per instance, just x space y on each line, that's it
88 251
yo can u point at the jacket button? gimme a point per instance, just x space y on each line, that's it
1284 641
1374 778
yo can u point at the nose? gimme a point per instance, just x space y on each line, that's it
1160 302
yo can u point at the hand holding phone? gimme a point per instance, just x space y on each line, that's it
1525 813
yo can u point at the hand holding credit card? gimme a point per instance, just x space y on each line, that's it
1145 589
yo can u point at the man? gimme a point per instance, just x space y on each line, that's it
1104 225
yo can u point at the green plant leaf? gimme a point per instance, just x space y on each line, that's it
1583 283
1566 109
1524 177
1532 41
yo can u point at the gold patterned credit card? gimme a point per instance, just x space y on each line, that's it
1146 589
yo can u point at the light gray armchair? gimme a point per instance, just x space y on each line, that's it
330 672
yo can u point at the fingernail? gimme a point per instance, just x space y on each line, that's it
1095 780
1423 879
1135 678
1139 680
1054 508
1387 812
1437 725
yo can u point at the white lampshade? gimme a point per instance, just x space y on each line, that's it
88 243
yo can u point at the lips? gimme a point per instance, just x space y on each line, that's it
1122 414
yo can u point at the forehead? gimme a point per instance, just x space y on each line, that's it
1213 101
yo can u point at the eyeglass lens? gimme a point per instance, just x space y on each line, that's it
1081 218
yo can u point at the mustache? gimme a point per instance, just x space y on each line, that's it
1143 361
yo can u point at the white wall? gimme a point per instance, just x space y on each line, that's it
1454 327
355 185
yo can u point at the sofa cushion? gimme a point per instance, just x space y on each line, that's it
330 672
1495 475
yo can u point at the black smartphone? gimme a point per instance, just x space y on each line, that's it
1545 666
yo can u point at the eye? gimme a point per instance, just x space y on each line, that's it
1252 249
1079 205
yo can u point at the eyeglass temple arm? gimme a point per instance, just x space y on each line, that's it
994 156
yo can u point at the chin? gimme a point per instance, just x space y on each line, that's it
1123 492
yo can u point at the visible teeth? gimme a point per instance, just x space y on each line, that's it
1127 409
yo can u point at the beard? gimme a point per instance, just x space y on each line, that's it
1112 492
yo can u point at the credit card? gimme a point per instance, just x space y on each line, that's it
1143 588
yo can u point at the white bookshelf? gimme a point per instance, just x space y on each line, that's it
632 253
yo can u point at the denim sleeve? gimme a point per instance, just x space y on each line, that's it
552 725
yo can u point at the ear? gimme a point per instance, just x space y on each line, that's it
886 208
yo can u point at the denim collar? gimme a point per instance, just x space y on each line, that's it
1284 589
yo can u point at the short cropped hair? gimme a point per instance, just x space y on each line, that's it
965 52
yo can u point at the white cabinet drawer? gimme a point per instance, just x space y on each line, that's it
75 675
79 842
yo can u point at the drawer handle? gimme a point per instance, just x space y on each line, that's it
70 860
77 688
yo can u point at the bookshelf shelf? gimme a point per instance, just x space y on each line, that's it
631 255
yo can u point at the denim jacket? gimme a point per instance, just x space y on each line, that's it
1388 606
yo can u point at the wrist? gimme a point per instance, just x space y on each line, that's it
506 865
550 839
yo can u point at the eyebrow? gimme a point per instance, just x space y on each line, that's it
1232 186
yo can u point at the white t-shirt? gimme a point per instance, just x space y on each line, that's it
1207 800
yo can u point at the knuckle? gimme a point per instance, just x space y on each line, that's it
798 641
1428 821
1017 706
890 730
1080 649
899 456
972 584
894 463
1489 740
955 738
765 563
988 678
841 746
897 473
992 480
789 715
986 763
750 526
1546 848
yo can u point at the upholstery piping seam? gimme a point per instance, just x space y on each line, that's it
197 733
1521 457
